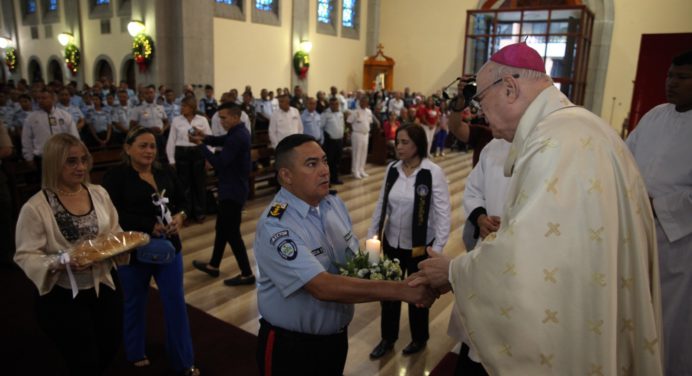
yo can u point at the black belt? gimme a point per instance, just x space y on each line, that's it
304 336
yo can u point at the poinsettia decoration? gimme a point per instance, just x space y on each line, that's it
301 64
143 51
73 58
11 59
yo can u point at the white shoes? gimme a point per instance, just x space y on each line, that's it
364 174
357 175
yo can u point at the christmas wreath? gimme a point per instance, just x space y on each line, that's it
143 51
73 58
301 64
11 59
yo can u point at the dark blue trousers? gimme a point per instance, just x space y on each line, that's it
169 279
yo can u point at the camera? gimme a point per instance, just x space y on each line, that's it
469 90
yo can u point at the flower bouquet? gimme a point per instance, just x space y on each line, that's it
360 267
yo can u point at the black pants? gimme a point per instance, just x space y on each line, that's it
6 222
391 310
283 352
228 231
86 330
466 366
333 148
189 164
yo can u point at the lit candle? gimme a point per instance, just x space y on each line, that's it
372 246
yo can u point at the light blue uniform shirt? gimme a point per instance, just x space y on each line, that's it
292 246
73 110
7 114
312 124
99 120
333 124
149 115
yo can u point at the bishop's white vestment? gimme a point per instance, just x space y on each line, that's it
662 146
569 285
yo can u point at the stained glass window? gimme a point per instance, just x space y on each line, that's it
324 11
265 5
227 2
30 6
348 13
103 2
52 5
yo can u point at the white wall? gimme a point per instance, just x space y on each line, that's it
335 60
252 53
426 39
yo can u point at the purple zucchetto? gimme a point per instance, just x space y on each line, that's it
519 55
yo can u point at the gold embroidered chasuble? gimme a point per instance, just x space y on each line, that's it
569 284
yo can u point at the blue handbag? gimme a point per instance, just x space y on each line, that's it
158 251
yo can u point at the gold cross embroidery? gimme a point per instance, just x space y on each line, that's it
549 275
510 227
599 279
628 325
650 345
471 296
490 237
506 349
550 316
585 143
596 326
595 186
547 360
521 197
596 370
553 228
505 311
509 269
596 234
546 144
626 283
550 186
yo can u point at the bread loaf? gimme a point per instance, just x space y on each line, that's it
107 246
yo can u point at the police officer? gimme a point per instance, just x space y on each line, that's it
305 304
151 115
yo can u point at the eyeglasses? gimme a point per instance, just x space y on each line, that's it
479 97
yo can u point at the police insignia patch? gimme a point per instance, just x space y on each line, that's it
278 235
422 190
277 210
287 249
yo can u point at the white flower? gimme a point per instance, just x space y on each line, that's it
376 276
362 273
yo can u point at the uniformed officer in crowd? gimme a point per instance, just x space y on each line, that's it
304 303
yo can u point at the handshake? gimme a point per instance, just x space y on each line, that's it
196 136
431 281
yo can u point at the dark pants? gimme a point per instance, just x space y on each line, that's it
87 330
228 231
6 223
189 164
283 352
466 366
333 147
135 280
391 310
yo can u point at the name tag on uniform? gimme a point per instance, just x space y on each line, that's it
317 251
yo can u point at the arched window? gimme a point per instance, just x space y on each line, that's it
103 69
35 74
55 71
326 17
350 19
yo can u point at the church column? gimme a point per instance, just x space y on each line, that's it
373 32
183 39
300 30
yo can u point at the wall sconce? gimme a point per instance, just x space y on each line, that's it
5 42
65 38
305 46
135 27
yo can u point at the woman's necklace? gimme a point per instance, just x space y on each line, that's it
69 193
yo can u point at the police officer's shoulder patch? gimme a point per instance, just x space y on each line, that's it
277 210
287 249
278 235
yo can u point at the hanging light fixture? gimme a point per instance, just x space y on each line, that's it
135 27
65 38
5 42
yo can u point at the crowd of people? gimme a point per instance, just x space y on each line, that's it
577 262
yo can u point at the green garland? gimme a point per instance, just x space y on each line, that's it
11 59
73 58
143 51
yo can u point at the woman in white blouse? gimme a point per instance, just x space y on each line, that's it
82 311
412 213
